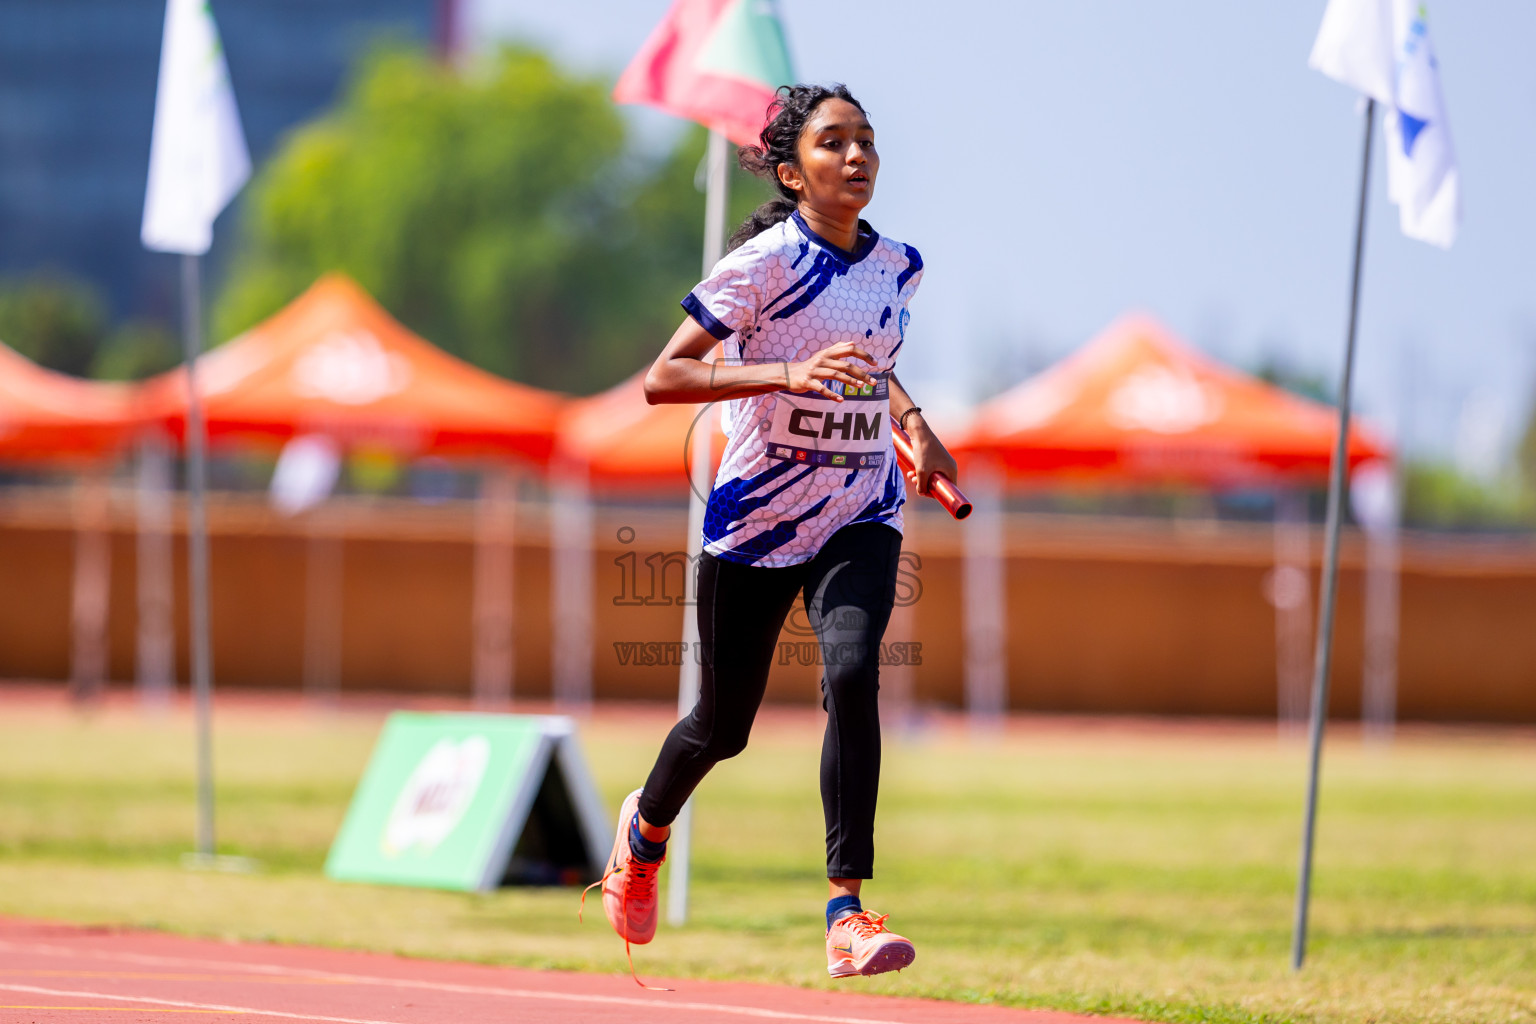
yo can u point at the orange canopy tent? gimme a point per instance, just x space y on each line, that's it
1137 404
46 415
334 362
628 444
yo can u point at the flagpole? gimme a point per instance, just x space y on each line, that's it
197 556
1329 584
717 179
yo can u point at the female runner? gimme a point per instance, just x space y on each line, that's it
811 304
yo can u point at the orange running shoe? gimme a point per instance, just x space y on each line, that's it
629 885
861 944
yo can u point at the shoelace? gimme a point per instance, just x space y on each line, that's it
642 871
865 923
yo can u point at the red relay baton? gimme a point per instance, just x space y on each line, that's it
943 490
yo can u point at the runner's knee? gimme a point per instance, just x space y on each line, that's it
855 681
727 742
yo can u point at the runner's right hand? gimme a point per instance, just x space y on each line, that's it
835 362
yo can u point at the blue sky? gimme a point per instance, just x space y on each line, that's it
1059 164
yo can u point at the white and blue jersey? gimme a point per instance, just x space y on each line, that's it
799 467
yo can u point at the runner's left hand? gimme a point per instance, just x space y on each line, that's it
929 456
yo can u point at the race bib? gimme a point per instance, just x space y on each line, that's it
820 431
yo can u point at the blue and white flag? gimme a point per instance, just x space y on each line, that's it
197 154
1382 48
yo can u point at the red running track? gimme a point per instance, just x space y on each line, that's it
59 974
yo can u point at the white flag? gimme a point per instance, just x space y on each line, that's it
197 155
1382 48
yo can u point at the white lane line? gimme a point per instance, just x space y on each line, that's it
444 986
183 1004
97 1009
209 976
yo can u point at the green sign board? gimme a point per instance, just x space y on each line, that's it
473 801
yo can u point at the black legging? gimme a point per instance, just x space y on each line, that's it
849 588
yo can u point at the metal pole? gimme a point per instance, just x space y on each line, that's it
91 591
1383 564
717 186
197 560
571 587
494 663
716 197
156 644
1289 581
324 567
985 599
1329 585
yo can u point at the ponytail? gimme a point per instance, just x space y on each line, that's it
792 107
774 211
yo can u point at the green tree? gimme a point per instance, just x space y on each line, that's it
1525 457
502 213
1283 374
135 350
53 320
1437 496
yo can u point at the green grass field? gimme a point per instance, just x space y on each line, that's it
1120 868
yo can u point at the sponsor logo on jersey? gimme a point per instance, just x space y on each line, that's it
839 460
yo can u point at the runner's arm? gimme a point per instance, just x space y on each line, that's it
681 373
931 455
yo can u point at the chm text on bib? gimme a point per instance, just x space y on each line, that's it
813 429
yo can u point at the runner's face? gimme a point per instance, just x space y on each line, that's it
838 161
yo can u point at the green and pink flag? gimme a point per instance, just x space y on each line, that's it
717 62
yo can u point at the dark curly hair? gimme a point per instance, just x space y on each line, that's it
792 107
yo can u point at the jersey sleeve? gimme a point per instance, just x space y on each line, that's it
908 279
728 300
